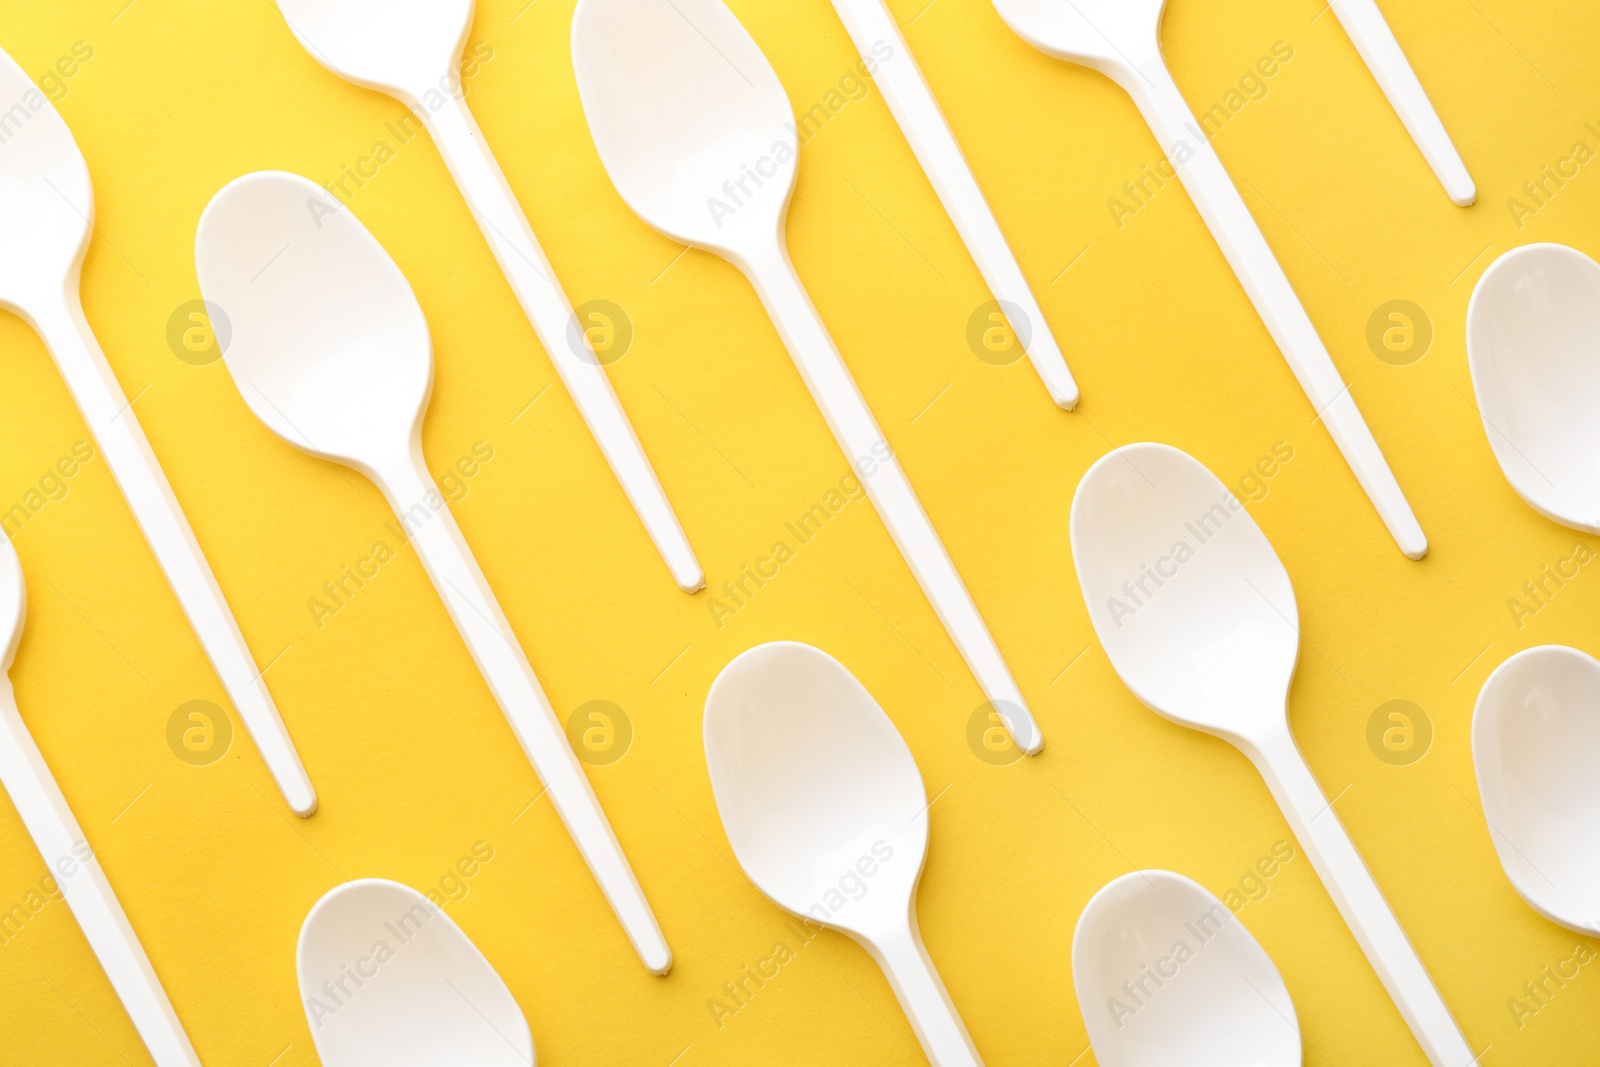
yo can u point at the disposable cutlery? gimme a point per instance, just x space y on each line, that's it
911 102
1121 39
1167 976
694 128
72 862
1196 613
1370 33
1535 740
330 350
48 207
826 813
411 50
1533 328
388 979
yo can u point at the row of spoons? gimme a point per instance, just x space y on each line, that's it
815 786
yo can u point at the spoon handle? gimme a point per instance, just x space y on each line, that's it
565 340
426 522
846 412
1360 901
911 102
1373 38
84 887
110 418
924 998
1235 230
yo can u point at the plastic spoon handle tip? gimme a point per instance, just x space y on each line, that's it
109 415
911 102
1247 251
523 262
431 529
847 415
1373 38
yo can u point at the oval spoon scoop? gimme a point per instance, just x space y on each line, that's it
388 979
1168 977
1535 740
411 50
1197 615
825 810
330 350
1533 331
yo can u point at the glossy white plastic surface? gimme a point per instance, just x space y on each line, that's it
67 853
388 979
1533 334
411 50
46 213
684 108
1536 741
330 350
1167 976
1208 636
873 29
1121 39
826 813
1370 33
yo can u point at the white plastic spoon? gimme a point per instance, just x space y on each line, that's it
825 810
1168 977
389 980
1535 741
46 213
332 353
693 126
72 862
1533 331
411 50
1196 614
1122 40
911 102
1370 33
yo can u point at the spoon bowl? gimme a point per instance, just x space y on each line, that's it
46 199
1533 329
826 813
1196 613
13 603
689 118
1105 35
389 980
1160 544
811 777
1168 977
400 47
1535 737
348 373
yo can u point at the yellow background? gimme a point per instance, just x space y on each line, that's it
412 759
